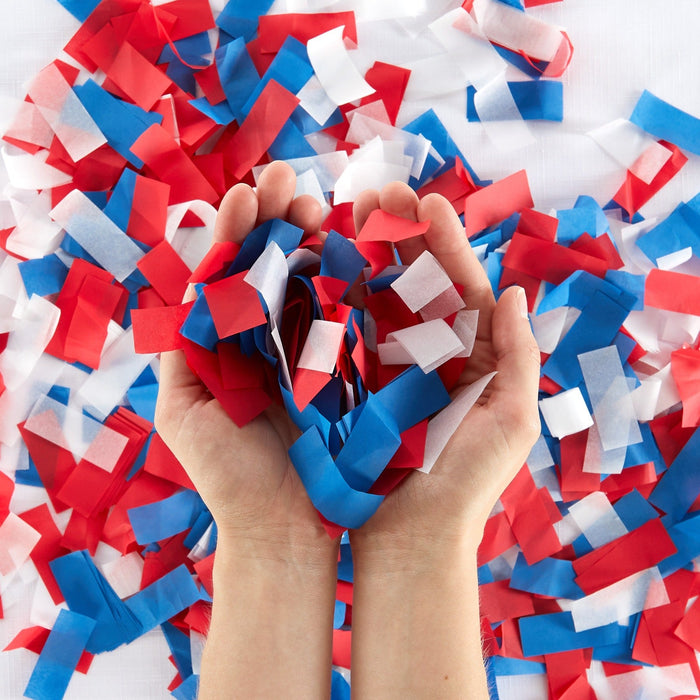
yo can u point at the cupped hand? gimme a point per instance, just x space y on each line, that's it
454 500
244 475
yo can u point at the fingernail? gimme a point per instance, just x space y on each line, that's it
522 303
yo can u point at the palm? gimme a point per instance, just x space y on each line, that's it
494 438
243 474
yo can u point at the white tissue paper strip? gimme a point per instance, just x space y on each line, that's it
428 345
191 244
322 346
540 456
465 326
68 427
124 574
34 235
92 229
597 519
27 341
327 166
422 281
28 125
119 368
372 166
517 30
26 171
363 129
65 114
607 389
444 424
18 539
444 305
550 326
566 413
648 165
616 603
334 68
314 100
524 686
598 460
627 143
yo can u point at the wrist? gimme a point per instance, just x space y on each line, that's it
381 554
258 550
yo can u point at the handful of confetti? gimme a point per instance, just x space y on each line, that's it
365 386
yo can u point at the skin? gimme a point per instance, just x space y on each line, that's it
415 614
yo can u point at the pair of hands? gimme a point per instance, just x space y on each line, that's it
245 475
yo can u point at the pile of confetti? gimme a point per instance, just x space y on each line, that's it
117 160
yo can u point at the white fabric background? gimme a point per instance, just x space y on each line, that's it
620 48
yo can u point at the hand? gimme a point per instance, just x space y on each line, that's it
244 474
453 502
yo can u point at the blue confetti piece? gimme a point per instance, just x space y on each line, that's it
220 113
157 521
663 120
634 510
290 68
88 593
290 143
516 667
143 400
341 259
199 326
340 689
550 577
188 689
413 396
80 9
43 276
574 223
60 656
339 614
370 446
598 324
121 202
679 486
179 645
535 100
200 526
240 18
679 230
121 123
686 537
345 569
553 633
645 451
327 489
237 74
164 598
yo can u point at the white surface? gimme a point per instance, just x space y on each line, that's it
620 48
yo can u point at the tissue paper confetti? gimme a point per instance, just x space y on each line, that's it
116 163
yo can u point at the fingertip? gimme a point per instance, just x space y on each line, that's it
237 214
306 213
275 191
399 199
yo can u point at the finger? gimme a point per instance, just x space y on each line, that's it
237 214
448 242
399 199
305 212
365 203
515 387
275 191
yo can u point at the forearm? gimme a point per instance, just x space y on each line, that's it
416 630
271 628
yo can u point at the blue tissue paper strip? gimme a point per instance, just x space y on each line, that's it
164 598
165 518
667 122
535 99
327 489
88 593
59 657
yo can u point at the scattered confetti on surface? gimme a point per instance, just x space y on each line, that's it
116 162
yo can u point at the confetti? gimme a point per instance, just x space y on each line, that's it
116 166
